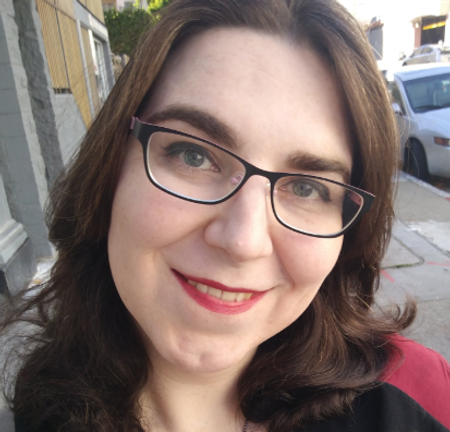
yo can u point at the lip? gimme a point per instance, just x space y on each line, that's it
214 304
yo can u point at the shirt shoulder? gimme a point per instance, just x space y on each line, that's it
423 374
385 408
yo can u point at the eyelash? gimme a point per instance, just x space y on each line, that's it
175 149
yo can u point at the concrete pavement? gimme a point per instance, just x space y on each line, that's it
417 262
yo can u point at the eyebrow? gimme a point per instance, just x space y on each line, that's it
213 127
218 131
304 161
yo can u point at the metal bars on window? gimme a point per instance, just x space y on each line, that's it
62 46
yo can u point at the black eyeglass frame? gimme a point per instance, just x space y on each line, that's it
143 131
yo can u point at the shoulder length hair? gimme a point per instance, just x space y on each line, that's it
88 365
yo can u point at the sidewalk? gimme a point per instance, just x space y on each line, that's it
418 261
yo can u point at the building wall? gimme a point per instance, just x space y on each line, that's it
63 52
56 115
22 166
109 4
94 7
46 104
69 124
100 74
39 86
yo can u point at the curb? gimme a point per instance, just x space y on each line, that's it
431 188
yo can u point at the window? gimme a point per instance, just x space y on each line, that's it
429 93
100 70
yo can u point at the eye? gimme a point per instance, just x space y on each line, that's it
309 189
193 158
192 155
304 190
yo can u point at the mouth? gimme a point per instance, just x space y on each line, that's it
227 296
217 297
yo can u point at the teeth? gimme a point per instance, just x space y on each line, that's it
228 296
240 296
217 293
202 288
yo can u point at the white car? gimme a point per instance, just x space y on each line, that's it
428 54
421 96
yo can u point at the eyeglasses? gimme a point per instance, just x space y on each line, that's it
200 171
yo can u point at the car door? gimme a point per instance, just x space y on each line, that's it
415 57
418 57
427 55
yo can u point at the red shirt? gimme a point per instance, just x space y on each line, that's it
422 374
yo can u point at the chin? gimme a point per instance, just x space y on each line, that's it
204 361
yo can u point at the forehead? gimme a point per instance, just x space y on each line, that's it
267 90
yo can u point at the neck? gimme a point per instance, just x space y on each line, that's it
177 400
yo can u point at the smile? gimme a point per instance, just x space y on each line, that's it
227 296
218 298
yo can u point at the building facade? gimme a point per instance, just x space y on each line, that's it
120 5
56 71
396 27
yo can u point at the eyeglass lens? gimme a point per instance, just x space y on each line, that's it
197 170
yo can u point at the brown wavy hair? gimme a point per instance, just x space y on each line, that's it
86 366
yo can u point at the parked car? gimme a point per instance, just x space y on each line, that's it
421 101
428 54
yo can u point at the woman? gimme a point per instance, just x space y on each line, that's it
203 279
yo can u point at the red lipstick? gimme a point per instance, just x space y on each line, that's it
214 304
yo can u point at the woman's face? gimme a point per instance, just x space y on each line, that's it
278 102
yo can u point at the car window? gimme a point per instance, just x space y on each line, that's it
429 93
395 92
427 50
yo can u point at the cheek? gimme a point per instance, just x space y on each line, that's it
142 215
144 223
310 260
146 218
307 262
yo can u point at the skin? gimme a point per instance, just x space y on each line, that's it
277 99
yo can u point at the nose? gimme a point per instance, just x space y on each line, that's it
241 225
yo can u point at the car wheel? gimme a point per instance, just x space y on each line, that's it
416 160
